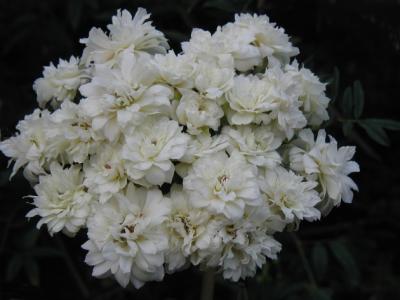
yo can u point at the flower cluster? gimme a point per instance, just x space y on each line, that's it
167 159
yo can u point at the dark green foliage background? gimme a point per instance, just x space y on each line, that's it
353 254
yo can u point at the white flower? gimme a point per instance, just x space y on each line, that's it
198 113
222 184
237 249
239 43
59 83
184 224
127 34
327 163
289 195
72 133
250 100
207 48
122 97
204 144
270 99
199 146
213 80
257 143
176 70
149 149
127 237
105 173
286 115
271 41
246 251
61 201
29 149
311 94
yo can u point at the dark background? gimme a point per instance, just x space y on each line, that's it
352 254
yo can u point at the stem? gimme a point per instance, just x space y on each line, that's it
70 264
207 287
304 260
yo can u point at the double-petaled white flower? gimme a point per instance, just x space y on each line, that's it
62 201
122 97
257 143
105 173
289 195
326 162
272 42
311 94
149 150
59 83
72 134
235 248
30 148
223 184
184 225
176 70
127 237
198 113
126 34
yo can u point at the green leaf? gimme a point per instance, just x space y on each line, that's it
347 101
358 96
14 267
345 258
385 123
29 239
319 260
32 271
347 127
375 132
321 294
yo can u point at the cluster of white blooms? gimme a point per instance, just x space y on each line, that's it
168 160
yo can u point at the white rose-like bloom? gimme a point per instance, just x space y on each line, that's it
185 224
61 201
271 41
223 184
213 80
73 133
122 97
237 249
311 94
149 149
105 173
198 146
29 148
327 163
209 48
239 43
198 113
249 100
59 83
176 70
289 195
135 35
257 143
286 115
245 251
204 144
127 237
